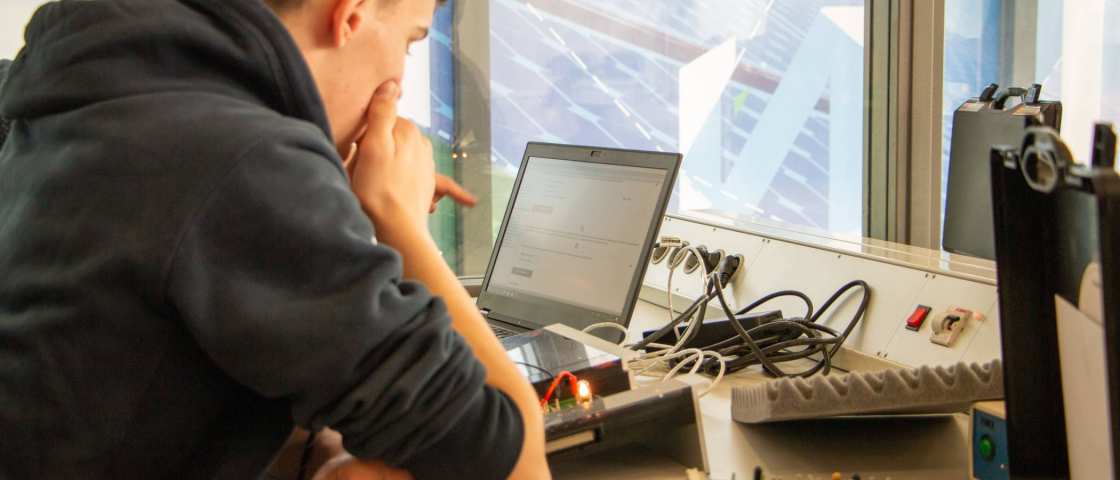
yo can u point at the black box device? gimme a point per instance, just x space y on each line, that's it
663 417
978 125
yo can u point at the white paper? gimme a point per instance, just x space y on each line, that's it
1085 385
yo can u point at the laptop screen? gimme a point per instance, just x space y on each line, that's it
576 233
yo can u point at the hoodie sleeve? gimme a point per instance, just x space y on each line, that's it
5 124
280 284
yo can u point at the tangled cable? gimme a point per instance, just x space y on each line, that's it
785 340
768 344
673 359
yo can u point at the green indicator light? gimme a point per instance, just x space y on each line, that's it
986 448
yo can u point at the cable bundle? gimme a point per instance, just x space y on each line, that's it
772 343
768 343
675 358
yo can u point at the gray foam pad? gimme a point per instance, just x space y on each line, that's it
924 390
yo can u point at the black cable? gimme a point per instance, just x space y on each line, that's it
756 352
539 369
859 312
698 307
780 332
753 306
784 293
767 344
667 329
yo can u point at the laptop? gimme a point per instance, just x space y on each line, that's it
576 237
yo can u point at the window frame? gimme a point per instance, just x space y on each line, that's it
471 57
906 72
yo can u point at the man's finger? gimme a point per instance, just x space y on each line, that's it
382 114
445 186
349 163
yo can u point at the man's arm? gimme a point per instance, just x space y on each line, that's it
278 282
424 264
393 177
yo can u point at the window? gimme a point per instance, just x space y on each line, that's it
1068 46
764 97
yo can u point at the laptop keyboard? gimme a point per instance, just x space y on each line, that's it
502 332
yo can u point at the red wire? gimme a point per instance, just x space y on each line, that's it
572 381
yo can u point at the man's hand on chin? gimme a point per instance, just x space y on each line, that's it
445 186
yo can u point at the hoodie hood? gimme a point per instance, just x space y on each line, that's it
79 53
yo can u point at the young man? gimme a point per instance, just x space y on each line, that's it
187 267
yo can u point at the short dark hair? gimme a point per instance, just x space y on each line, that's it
281 5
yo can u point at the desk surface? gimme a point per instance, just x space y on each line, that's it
876 448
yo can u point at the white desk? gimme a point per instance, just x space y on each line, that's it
934 448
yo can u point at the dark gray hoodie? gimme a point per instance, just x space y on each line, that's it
4 123
184 272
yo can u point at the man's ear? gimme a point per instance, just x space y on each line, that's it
348 16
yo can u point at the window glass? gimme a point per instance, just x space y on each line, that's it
428 99
752 108
764 98
1070 47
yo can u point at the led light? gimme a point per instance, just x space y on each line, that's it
986 448
583 391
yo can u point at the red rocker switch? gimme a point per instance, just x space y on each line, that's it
917 318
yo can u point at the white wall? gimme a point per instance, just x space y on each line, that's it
14 15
